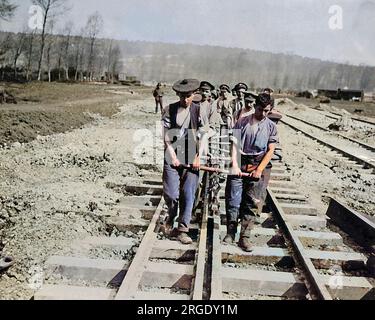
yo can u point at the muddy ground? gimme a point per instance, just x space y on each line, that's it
54 187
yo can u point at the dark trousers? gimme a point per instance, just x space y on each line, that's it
179 188
159 101
245 200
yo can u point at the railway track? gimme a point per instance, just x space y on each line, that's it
336 116
361 144
357 155
296 255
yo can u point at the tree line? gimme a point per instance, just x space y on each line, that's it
46 53
168 62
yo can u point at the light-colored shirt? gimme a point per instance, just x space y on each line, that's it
256 136
209 115
186 118
242 113
237 104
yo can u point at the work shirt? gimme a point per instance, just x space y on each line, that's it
209 115
180 127
224 108
158 93
237 104
255 138
242 114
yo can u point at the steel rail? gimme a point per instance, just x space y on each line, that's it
315 285
346 154
364 145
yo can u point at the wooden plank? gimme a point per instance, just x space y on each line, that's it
199 284
160 296
311 238
167 275
280 190
298 208
265 283
129 287
88 269
173 250
59 292
349 288
216 280
286 196
144 189
259 255
326 259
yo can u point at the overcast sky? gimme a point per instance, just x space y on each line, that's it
289 26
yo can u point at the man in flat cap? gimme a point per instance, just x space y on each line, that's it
224 105
239 102
158 95
245 196
208 111
248 109
181 163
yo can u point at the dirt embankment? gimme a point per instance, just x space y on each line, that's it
43 109
54 190
366 109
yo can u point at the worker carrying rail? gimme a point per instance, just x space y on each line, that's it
181 122
256 138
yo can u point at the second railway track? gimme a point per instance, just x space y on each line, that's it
355 154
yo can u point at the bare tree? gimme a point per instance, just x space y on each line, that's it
50 40
114 54
6 9
30 49
18 47
93 27
63 50
78 44
68 33
5 46
51 8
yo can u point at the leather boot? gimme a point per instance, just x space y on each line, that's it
246 227
245 244
231 233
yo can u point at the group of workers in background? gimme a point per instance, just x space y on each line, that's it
201 112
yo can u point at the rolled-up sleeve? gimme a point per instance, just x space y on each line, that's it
166 119
274 136
166 124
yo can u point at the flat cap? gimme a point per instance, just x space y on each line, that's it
263 100
206 86
186 85
268 89
224 87
275 115
241 86
249 96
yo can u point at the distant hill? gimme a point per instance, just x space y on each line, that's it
169 62
154 62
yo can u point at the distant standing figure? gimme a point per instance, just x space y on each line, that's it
158 95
